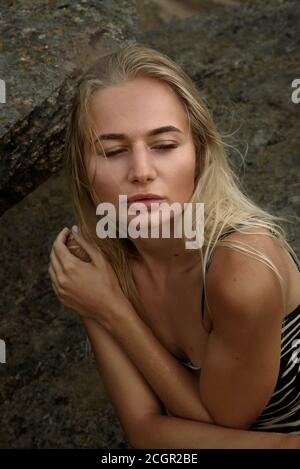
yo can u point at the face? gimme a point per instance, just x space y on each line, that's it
163 163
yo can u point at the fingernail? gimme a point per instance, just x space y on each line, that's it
75 229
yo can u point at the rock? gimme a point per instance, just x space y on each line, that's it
44 51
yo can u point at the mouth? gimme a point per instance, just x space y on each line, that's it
147 202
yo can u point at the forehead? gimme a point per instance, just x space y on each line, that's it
142 103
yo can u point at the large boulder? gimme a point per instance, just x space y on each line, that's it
44 50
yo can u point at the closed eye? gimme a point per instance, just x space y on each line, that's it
158 147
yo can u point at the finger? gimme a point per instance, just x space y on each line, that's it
53 279
88 247
60 248
55 289
56 264
62 236
77 250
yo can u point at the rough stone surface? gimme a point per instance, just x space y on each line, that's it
45 47
153 13
243 61
51 395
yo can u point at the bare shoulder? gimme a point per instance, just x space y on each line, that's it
243 285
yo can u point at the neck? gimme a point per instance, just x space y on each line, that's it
164 257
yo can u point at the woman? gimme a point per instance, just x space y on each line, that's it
139 126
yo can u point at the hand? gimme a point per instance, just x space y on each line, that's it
90 288
76 249
290 441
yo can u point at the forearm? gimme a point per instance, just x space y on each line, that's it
126 388
160 431
174 385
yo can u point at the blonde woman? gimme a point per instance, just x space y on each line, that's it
158 314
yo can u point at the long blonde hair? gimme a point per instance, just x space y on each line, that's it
216 185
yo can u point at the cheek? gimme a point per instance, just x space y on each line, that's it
103 188
185 171
187 183
104 181
183 177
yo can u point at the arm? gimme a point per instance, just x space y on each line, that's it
173 384
76 284
129 393
242 357
161 431
140 411
111 357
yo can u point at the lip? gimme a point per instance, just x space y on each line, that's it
147 202
147 198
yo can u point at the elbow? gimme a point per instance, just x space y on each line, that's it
144 434
134 441
138 435
232 423
232 420
137 444
140 442
230 416
133 444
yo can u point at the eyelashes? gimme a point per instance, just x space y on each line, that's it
158 147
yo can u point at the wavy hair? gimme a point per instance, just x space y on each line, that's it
226 206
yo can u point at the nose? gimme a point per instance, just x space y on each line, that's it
141 165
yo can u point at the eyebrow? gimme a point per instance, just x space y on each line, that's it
159 130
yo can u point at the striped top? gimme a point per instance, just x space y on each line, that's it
282 413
